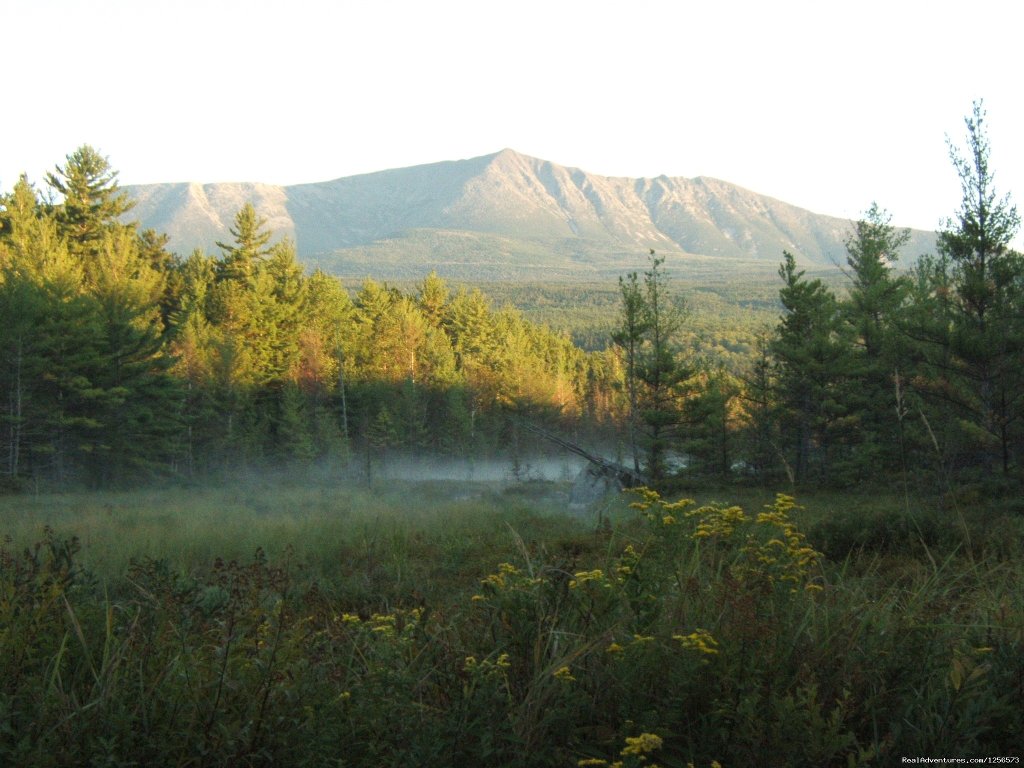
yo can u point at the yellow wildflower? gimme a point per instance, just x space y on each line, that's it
584 576
564 674
642 744
698 640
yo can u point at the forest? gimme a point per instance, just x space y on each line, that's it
205 562
124 363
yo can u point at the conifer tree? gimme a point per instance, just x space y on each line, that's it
813 359
137 398
91 203
629 338
248 247
986 339
650 324
873 313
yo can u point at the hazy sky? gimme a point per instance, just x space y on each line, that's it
827 105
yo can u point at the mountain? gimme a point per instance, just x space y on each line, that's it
506 216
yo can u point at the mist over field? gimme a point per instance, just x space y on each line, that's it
426 468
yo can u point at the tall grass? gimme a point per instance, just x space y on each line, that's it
433 625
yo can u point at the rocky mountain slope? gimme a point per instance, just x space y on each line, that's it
505 216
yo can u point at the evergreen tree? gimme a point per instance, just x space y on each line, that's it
712 418
433 299
629 338
48 342
760 432
986 337
873 313
660 371
648 337
814 366
294 436
137 398
91 203
248 247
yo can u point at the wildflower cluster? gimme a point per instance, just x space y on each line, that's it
717 523
635 752
699 640
659 511
509 578
564 674
785 556
595 576
500 663
642 744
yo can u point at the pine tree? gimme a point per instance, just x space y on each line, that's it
629 338
248 247
813 359
48 344
137 398
433 299
660 371
91 203
648 337
986 341
873 313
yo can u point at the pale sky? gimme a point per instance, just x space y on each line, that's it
826 105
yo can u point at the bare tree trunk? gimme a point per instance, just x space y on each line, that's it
341 390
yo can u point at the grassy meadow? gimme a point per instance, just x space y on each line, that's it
484 623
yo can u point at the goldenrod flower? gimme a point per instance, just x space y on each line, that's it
698 640
564 674
584 576
642 744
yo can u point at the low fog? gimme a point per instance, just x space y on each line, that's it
423 468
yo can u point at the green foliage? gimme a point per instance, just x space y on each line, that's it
687 633
647 338
813 358
90 202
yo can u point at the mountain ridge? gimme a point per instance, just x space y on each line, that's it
498 215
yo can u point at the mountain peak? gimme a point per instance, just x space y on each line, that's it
502 215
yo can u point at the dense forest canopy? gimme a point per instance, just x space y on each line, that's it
121 361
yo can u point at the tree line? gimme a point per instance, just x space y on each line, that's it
121 361
911 374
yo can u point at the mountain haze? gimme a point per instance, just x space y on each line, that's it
505 216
